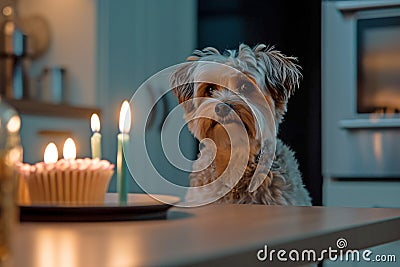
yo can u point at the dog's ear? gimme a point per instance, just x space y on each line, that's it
282 75
181 82
208 51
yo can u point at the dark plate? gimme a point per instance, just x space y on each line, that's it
139 207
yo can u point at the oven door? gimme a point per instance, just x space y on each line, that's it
361 89
378 65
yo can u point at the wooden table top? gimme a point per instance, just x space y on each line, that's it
212 234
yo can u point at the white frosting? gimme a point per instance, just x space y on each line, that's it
67 165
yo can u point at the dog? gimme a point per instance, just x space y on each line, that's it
221 95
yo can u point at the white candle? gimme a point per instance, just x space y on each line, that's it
69 150
95 140
123 139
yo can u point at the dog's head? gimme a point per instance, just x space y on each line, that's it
240 85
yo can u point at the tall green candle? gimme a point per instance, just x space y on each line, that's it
123 140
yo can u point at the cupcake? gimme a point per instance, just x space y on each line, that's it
80 181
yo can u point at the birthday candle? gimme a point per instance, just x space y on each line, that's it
95 140
123 140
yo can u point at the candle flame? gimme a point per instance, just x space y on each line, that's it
14 124
95 123
69 151
125 118
51 153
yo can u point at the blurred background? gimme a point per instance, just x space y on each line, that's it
62 60
76 57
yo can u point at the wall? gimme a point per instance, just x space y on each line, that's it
109 48
73 43
135 40
34 138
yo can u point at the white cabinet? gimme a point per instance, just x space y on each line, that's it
363 193
368 194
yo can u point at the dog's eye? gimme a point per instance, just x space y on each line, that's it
246 87
242 88
210 89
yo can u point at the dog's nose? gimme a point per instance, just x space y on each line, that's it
222 109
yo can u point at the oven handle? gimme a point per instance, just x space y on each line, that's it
354 6
357 124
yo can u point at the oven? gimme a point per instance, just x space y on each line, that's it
361 89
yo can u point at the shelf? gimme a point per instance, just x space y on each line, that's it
353 6
34 107
357 124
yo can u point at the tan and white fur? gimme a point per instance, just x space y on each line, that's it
231 102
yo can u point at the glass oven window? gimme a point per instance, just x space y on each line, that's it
378 59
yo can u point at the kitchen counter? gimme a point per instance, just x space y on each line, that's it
204 236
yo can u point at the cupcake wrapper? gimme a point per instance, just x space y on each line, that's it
68 186
23 191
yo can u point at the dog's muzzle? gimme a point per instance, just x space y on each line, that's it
223 109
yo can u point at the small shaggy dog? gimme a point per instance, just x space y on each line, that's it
234 103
